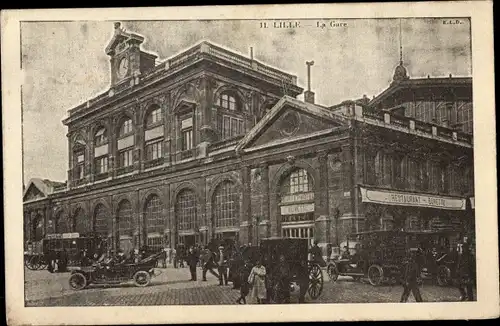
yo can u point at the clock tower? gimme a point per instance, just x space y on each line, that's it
126 57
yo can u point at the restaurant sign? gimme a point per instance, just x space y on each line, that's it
297 209
387 197
292 198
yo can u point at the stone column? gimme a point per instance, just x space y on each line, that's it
139 147
265 221
246 210
92 170
322 223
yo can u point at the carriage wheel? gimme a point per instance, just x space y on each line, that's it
443 275
333 272
77 281
315 281
34 263
375 275
142 278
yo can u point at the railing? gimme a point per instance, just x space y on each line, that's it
405 122
101 176
225 143
422 126
400 121
124 170
78 182
187 154
189 56
153 163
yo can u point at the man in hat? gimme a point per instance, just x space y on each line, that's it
221 261
465 271
410 272
207 260
192 261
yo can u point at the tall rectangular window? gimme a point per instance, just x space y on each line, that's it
187 133
101 165
154 151
231 127
80 166
126 158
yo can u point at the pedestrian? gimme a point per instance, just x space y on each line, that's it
174 257
169 256
221 260
244 285
465 271
410 273
236 263
282 278
192 260
316 254
328 252
257 280
208 263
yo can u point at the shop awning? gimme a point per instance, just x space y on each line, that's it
400 198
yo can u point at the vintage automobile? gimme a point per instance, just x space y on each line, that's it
140 273
378 257
306 276
346 263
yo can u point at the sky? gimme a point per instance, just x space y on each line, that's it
64 63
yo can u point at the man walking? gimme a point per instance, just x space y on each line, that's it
465 271
410 273
192 261
207 260
221 260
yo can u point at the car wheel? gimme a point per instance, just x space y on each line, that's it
142 278
375 275
333 272
77 281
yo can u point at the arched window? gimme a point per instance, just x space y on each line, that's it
125 127
154 116
225 205
298 181
185 209
82 223
101 220
153 221
227 100
124 217
100 137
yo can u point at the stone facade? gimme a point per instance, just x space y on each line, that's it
207 145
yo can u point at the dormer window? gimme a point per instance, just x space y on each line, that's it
101 137
154 117
228 101
126 127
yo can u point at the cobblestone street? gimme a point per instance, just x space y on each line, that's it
172 287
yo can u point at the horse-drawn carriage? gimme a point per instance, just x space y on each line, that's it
140 273
67 249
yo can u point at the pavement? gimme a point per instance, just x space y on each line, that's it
172 287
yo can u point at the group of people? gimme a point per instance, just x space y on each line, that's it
464 267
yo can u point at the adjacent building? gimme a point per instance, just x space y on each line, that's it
213 144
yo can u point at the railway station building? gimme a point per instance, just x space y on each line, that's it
213 144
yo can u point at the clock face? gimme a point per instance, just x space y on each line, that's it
123 67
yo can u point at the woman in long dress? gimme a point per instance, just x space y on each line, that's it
257 279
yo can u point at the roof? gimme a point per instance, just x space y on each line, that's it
419 82
45 186
287 101
121 34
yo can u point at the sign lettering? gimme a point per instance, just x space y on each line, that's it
306 196
297 209
408 199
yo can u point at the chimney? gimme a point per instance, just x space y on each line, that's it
309 95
